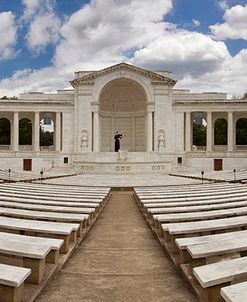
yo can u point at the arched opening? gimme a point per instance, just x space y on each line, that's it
220 131
25 131
123 109
5 131
199 130
241 131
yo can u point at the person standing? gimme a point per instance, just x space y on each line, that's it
117 138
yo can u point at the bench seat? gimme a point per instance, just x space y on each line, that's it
235 293
33 255
12 282
207 251
183 229
193 197
184 209
58 230
47 208
182 243
193 216
181 203
51 198
212 277
55 244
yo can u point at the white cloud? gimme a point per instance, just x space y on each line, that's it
43 30
196 22
223 4
234 26
8 31
184 53
34 6
111 28
230 78
43 24
103 33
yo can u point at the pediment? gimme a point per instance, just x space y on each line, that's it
157 79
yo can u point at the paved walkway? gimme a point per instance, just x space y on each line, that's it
119 261
124 180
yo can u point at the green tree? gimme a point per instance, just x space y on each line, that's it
25 132
220 132
4 131
241 131
244 97
199 135
46 138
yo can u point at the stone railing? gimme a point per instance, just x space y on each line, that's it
198 148
4 148
25 148
47 148
241 147
220 148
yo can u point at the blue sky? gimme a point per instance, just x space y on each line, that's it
203 42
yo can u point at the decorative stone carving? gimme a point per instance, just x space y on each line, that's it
84 140
161 140
122 155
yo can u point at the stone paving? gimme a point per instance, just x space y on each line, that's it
120 260
131 180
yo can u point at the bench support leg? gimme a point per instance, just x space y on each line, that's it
38 268
213 293
52 257
11 294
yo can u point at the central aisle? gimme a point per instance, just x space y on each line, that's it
120 260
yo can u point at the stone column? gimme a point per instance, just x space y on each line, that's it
58 132
188 131
230 132
96 131
36 147
209 131
149 131
15 143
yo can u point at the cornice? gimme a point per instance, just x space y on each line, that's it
157 79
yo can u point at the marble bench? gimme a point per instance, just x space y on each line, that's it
33 256
212 277
236 194
214 251
204 215
56 189
182 243
207 207
51 198
58 230
55 244
186 190
235 293
181 203
171 231
54 203
46 208
81 220
12 280
33 191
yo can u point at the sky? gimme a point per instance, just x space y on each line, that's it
202 42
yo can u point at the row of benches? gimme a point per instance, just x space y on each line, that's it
40 226
204 233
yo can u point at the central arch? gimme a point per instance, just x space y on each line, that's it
123 108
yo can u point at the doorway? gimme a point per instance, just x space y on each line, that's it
27 164
218 164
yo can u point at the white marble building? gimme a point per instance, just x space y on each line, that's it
155 118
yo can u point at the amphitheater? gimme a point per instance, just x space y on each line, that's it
160 237
160 220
